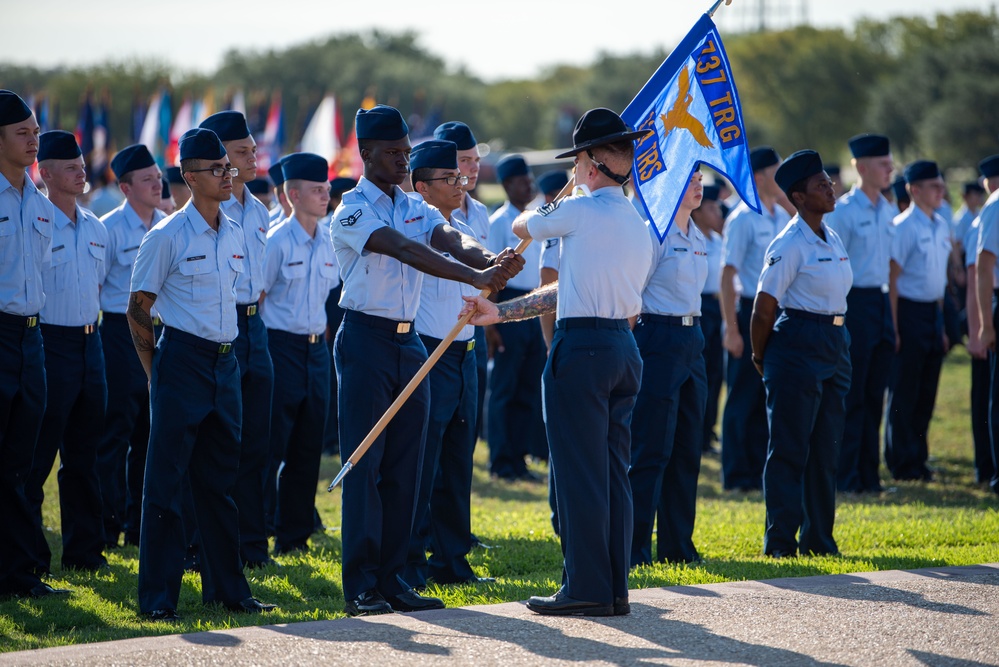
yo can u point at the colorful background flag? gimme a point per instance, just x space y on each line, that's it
322 135
692 104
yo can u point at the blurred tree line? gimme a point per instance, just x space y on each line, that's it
931 85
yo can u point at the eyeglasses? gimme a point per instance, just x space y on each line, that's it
451 180
218 172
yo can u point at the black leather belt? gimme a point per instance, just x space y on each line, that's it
376 322
196 341
456 347
835 320
591 323
672 320
308 339
26 321
246 309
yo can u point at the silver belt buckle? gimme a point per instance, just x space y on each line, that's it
687 320
839 320
224 348
313 338
402 327
89 328
884 289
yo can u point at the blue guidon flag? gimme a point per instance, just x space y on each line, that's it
692 104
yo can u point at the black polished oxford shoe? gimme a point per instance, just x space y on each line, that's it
258 564
251 606
561 604
163 615
412 601
622 607
367 603
43 590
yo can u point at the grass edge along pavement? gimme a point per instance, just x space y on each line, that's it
951 521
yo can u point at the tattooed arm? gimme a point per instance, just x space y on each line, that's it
533 304
140 322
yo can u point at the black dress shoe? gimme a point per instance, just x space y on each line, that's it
251 606
561 604
781 553
367 603
43 590
257 564
621 607
163 615
412 601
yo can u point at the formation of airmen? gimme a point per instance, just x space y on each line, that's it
191 354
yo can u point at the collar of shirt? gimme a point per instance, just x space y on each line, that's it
62 220
298 234
133 219
235 206
377 196
198 222
810 236
29 185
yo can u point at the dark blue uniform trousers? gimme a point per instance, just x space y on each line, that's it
121 453
22 404
443 513
334 315
373 365
298 417
482 372
256 374
980 387
196 413
714 364
74 420
872 347
591 382
806 370
994 406
516 427
666 438
744 420
912 388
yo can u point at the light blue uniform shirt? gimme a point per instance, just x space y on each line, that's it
946 212
714 242
971 242
550 254
251 216
921 247
806 273
192 269
125 232
606 253
373 283
961 224
440 299
25 246
477 218
746 238
275 216
73 279
866 230
678 272
988 230
501 236
299 273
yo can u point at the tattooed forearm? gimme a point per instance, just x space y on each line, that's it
539 302
141 321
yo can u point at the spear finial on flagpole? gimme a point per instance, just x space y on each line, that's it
714 8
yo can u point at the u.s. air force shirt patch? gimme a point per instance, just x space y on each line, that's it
351 219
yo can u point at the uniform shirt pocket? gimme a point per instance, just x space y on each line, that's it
57 277
197 272
294 270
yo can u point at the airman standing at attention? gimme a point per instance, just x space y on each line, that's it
747 235
188 265
256 371
863 222
25 235
121 454
381 237
919 255
74 362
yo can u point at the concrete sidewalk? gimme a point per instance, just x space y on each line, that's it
945 616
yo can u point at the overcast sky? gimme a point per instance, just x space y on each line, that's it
493 40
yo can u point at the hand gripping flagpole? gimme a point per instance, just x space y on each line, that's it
714 7
397 404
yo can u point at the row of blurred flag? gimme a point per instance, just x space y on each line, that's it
159 126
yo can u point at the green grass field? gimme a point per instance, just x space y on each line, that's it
951 521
